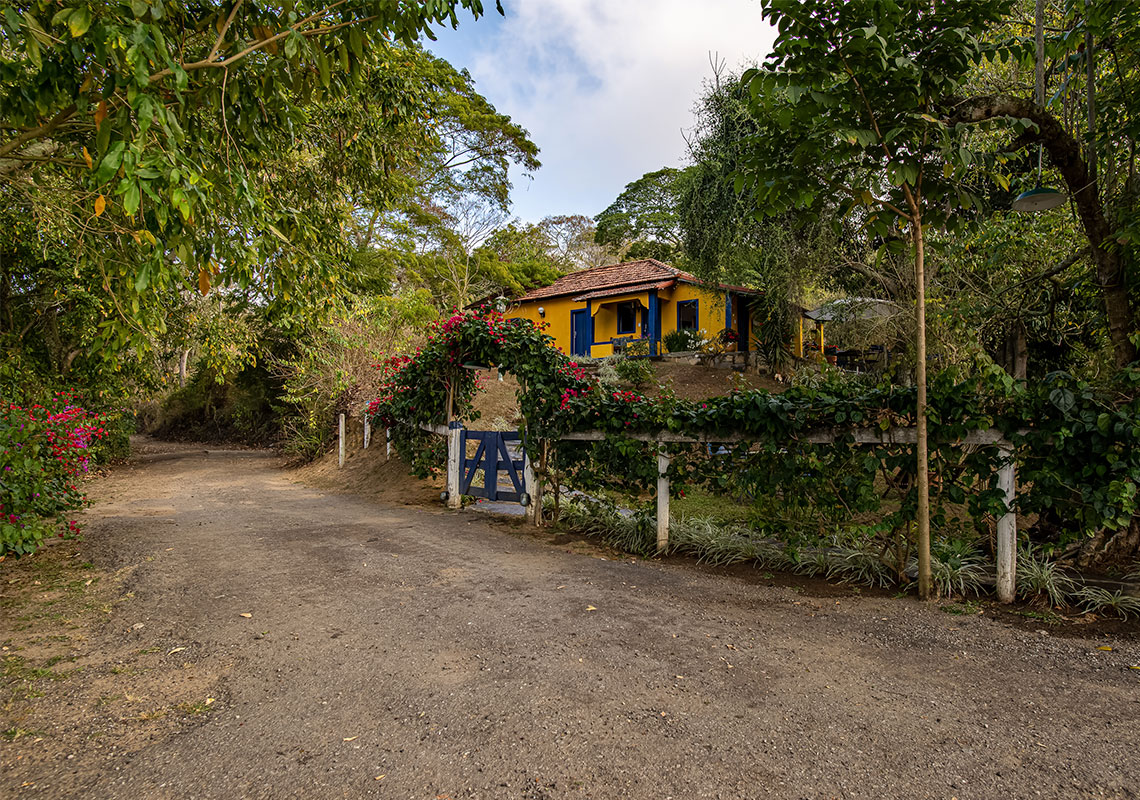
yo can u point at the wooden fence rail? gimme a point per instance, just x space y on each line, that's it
1006 477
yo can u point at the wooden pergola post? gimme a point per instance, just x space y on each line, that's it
1007 527
455 458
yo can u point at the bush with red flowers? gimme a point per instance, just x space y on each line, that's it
44 452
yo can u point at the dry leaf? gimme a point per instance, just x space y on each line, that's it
100 205
381 777
247 616
209 700
591 608
1105 647
350 739
100 113
87 158
176 650
204 281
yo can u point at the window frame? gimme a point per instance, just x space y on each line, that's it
696 305
634 306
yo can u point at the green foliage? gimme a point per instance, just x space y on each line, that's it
630 533
682 340
861 566
1040 578
150 135
644 218
332 369
415 390
848 92
772 329
636 372
958 568
1078 448
240 407
1096 600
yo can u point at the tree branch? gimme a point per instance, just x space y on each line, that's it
1065 154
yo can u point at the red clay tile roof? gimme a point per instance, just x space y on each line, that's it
629 276
619 290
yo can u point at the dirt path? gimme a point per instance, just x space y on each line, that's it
224 632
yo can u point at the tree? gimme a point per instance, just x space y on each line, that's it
1093 151
572 242
146 138
518 257
848 96
644 219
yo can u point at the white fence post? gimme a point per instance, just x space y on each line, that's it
387 444
455 460
662 498
1007 528
367 431
340 443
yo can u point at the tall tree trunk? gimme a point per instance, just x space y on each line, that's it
1014 355
922 450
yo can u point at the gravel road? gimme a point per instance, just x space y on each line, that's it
243 636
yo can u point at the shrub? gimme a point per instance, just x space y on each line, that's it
636 372
44 451
682 341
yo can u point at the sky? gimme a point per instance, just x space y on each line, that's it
606 88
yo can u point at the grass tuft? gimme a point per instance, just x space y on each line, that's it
1039 578
1100 601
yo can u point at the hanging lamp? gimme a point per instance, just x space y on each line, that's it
1039 198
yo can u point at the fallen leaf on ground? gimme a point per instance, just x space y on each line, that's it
381 777
176 650
209 700
591 608
350 738
1104 647
246 615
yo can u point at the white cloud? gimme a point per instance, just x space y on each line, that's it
605 88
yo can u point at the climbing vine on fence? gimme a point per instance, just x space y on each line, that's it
415 389
1078 446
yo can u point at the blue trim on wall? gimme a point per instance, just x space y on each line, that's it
574 330
696 304
590 316
727 311
654 322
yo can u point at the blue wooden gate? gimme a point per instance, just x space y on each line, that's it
497 452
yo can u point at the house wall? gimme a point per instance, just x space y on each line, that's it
711 310
557 317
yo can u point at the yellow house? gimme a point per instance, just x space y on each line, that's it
591 311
